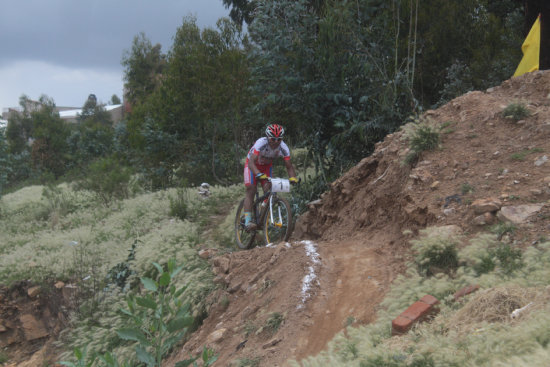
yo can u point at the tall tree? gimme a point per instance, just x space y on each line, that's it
143 65
50 132
20 126
187 124
4 161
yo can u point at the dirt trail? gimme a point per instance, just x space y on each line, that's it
355 276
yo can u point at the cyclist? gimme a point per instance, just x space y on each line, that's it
258 166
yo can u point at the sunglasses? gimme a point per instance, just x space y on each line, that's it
275 139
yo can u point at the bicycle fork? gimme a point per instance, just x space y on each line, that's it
279 223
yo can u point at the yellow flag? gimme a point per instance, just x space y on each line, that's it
531 51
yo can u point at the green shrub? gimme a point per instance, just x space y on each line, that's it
502 228
425 138
435 253
159 319
509 259
108 179
274 321
466 188
120 273
179 205
515 111
422 135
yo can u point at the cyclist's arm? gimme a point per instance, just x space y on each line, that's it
290 168
252 164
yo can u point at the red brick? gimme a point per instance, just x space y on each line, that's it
465 291
400 325
416 311
431 300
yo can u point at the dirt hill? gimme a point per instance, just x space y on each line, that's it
288 301
359 231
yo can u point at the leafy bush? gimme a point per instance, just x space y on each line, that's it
422 135
108 179
515 111
157 322
119 273
509 259
159 319
436 253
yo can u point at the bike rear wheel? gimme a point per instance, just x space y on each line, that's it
243 238
280 228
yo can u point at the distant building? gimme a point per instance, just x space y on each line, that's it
69 114
116 113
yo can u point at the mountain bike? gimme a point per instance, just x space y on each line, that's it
270 212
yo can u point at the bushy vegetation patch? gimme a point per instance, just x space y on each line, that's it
104 251
422 135
477 331
516 111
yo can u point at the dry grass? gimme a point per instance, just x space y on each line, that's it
496 305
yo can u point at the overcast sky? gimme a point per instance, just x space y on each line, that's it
68 49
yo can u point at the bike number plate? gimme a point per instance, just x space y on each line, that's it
280 185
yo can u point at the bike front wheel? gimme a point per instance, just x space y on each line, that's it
277 222
243 238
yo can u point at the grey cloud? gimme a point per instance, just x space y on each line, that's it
94 33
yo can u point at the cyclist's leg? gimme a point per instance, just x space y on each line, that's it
268 171
250 184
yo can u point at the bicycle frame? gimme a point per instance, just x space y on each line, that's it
262 212
272 215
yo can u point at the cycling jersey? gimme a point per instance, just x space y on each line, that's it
266 154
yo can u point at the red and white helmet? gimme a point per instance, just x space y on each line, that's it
275 131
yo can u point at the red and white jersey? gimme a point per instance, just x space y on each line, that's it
266 154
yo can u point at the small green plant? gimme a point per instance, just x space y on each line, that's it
434 254
265 285
520 156
274 321
224 302
425 138
3 357
515 111
502 228
249 328
119 273
179 205
509 259
423 135
249 362
349 321
349 351
466 188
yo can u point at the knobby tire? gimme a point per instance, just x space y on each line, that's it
273 233
243 238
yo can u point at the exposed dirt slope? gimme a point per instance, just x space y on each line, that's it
361 228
